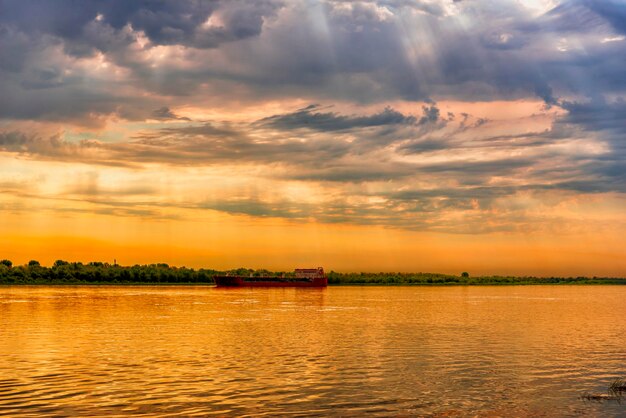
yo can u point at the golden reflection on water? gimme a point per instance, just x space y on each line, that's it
412 351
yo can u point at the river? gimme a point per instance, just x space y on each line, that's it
340 351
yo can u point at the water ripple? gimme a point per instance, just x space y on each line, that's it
504 351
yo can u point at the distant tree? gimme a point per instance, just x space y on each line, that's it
33 263
7 263
60 263
465 274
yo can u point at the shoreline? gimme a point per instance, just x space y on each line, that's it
162 274
191 284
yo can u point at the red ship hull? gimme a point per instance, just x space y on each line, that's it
241 281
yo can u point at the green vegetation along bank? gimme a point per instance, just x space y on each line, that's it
63 272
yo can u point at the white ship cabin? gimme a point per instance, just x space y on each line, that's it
310 273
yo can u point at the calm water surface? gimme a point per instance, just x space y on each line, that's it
389 351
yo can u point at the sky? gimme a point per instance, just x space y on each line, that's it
486 136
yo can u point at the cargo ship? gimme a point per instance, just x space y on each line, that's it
302 278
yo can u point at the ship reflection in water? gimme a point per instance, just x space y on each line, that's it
407 351
300 278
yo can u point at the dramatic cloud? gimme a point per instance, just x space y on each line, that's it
124 59
378 107
202 24
311 118
165 113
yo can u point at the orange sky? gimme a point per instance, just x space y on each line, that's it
436 136
86 207
201 238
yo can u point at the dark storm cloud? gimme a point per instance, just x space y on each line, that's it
613 11
365 133
164 22
165 113
500 56
356 51
572 16
598 115
607 120
312 118
64 100
44 84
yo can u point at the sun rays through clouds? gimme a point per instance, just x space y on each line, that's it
441 125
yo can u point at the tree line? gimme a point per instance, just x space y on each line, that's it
64 272
437 279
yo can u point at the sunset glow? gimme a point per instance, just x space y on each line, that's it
360 136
